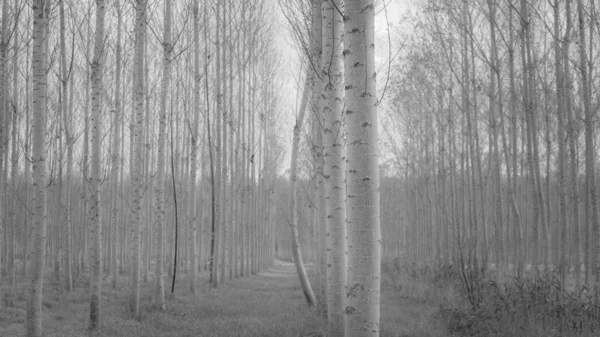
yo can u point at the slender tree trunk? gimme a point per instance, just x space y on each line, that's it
160 174
96 177
561 159
572 138
138 140
66 117
38 158
4 118
296 252
332 77
116 156
14 157
194 154
591 197
216 256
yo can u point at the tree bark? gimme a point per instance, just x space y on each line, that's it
138 143
332 77
38 157
364 233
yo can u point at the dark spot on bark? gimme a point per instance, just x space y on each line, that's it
350 310
345 52
357 64
355 31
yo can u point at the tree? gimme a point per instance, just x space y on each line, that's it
194 154
66 116
138 147
38 159
116 155
95 212
334 166
160 179
591 197
298 260
362 172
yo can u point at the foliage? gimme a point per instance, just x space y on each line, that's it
529 306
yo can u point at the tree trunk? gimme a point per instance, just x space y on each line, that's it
194 154
159 195
96 177
364 233
591 198
116 156
572 138
561 159
138 143
296 252
38 158
334 169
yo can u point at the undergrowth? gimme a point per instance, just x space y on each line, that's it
481 306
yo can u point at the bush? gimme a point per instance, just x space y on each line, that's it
537 306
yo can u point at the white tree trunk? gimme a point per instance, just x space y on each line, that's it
96 177
194 154
364 234
38 158
116 157
298 261
160 174
138 147
332 77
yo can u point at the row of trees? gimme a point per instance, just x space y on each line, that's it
147 150
497 106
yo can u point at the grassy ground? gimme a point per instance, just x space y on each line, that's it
269 304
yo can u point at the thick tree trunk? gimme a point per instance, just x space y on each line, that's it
364 233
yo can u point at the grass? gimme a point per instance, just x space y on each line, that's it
269 304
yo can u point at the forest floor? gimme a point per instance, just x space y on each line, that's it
268 304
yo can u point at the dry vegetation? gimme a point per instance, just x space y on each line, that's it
531 306
416 302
